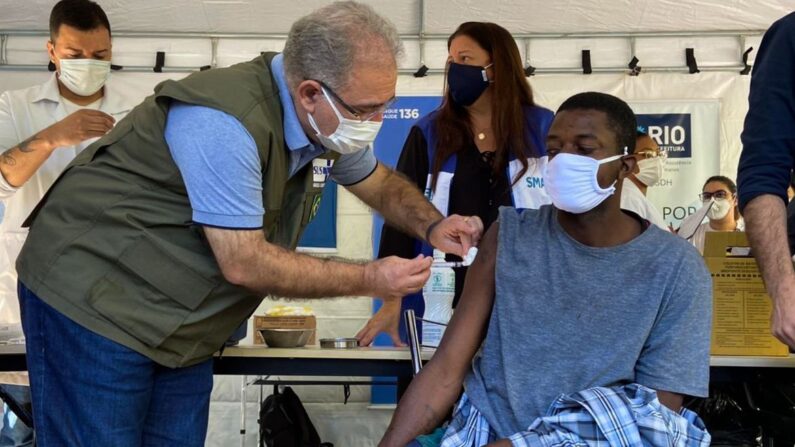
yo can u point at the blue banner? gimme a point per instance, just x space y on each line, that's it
671 131
322 230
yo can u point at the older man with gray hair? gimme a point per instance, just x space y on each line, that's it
162 237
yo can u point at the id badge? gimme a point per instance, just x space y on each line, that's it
320 171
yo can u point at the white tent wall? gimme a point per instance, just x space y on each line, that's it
135 22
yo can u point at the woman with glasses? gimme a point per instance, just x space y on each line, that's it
648 171
723 215
483 148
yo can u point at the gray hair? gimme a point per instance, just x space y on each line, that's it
325 44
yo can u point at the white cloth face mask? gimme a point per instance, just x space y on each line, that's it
570 181
350 136
84 77
650 170
719 209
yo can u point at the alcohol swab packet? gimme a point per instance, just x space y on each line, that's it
470 256
468 259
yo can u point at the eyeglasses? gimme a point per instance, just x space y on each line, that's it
361 115
720 195
651 153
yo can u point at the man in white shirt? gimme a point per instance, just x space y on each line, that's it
42 128
648 171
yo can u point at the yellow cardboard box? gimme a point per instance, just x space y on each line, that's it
285 322
741 306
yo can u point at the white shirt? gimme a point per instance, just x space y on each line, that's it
23 113
632 199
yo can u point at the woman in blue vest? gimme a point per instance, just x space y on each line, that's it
483 148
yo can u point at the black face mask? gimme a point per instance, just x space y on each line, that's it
466 82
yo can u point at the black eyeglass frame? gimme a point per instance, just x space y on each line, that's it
704 196
358 114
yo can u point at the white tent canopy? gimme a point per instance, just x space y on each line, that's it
551 36
440 16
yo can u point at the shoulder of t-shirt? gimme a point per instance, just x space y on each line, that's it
207 116
672 247
524 214
210 124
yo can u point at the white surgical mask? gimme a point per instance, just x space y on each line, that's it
719 209
570 181
350 136
650 170
84 77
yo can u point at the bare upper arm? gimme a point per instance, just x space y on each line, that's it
467 328
671 400
369 189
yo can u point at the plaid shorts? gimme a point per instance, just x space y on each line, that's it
625 416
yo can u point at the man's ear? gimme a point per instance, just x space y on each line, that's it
51 50
308 94
629 165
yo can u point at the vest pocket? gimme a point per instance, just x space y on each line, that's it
151 295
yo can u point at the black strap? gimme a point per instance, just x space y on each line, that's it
51 67
690 59
346 392
421 72
747 68
160 61
586 62
634 67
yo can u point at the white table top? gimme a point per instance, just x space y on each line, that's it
391 353
315 352
12 349
753 362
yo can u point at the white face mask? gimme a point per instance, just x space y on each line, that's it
84 77
570 181
719 209
650 170
350 136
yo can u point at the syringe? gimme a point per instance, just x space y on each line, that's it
468 259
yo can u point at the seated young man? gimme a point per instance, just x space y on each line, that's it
555 303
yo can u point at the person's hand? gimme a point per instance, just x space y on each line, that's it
386 320
500 443
393 278
783 317
456 234
78 127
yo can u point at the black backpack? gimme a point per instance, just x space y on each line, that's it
283 422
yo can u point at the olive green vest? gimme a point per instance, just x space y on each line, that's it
112 245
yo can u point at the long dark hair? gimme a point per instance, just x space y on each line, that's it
510 93
727 182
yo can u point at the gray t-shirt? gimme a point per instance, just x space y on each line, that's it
567 317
